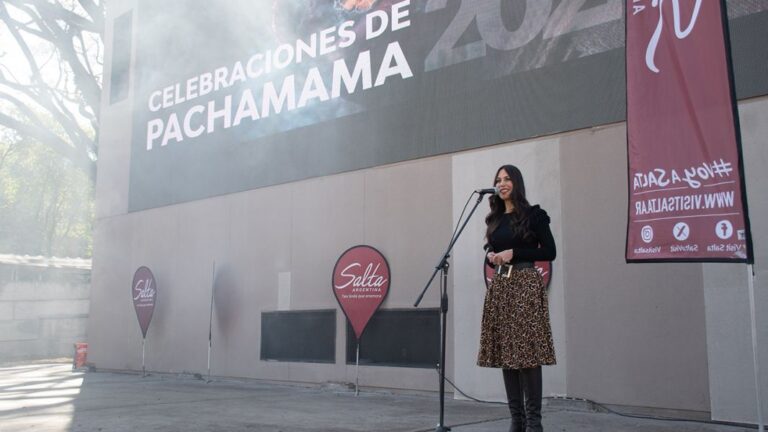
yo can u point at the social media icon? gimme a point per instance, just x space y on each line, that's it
646 233
741 234
724 229
681 231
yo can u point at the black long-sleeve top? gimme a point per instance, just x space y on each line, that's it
539 248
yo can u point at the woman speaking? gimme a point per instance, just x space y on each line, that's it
515 333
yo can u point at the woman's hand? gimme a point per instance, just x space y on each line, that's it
502 257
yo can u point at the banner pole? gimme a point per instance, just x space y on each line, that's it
143 367
751 278
209 360
210 320
357 369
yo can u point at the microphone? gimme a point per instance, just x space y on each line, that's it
493 190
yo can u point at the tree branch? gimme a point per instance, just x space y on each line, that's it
12 146
63 38
57 12
52 22
13 28
46 98
79 159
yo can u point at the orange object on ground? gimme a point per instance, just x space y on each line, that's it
81 355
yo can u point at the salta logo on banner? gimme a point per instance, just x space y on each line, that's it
686 191
144 294
639 6
360 283
543 267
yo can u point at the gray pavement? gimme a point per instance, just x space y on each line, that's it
50 397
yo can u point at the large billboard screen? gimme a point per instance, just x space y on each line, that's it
241 94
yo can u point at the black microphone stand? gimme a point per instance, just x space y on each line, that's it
443 267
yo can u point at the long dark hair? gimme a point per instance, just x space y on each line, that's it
519 220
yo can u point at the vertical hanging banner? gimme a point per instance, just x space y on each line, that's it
360 283
686 191
144 293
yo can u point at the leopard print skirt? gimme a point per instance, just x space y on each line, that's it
515 331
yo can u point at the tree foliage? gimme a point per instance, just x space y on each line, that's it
50 91
46 206
50 72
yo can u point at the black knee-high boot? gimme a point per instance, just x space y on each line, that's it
514 389
532 383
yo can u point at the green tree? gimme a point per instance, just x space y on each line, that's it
46 205
50 90
50 71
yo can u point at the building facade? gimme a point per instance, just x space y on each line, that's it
243 150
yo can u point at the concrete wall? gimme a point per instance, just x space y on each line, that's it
726 293
42 319
624 334
672 336
636 332
297 231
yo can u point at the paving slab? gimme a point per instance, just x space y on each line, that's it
53 398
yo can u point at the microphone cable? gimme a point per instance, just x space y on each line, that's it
606 409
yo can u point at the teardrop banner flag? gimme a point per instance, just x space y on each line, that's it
543 267
360 283
144 293
687 200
